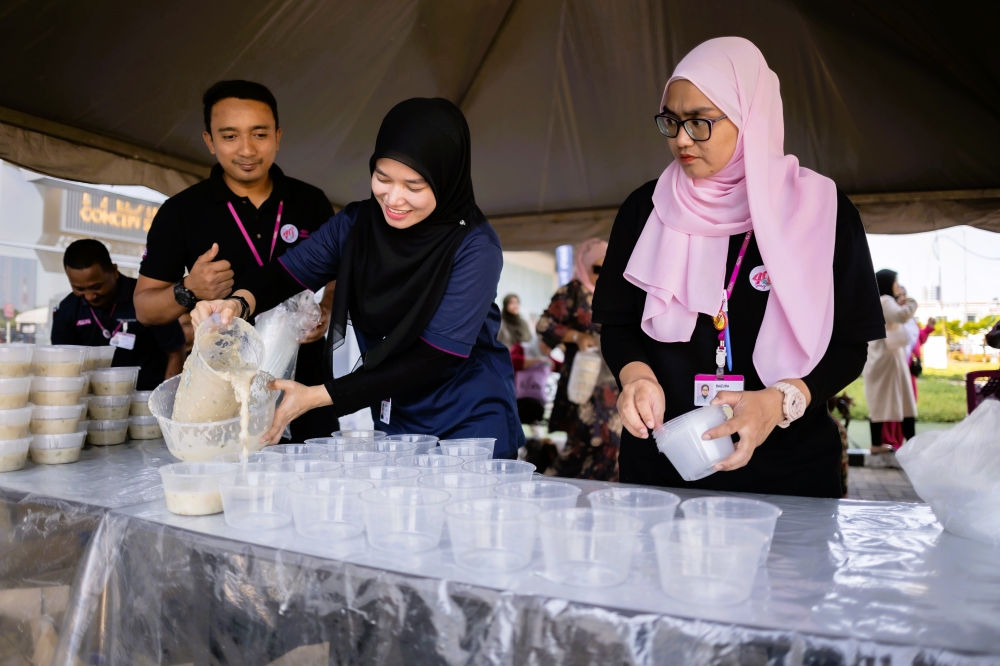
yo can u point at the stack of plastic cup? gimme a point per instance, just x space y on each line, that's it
486 442
110 404
467 452
392 448
423 442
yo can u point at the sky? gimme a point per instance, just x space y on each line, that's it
974 270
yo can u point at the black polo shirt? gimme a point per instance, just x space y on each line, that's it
188 223
73 324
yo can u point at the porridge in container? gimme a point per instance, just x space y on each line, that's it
107 432
56 390
192 489
14 392
56 449
15 359
55 419
59 361
109 406
140 404
86 382
99 357
113 381
13 454
144 427
15 423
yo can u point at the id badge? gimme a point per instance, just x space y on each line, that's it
707 386
385 411
123 340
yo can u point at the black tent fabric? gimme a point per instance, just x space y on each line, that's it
897 101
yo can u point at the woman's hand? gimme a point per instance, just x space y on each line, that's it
641 402
298 400
227 309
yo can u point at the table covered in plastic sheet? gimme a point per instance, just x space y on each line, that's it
847 582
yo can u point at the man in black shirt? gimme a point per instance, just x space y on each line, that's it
100 312
246 214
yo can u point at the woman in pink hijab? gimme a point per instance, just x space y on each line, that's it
741 271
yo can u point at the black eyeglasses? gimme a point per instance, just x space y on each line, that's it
596 269
699 129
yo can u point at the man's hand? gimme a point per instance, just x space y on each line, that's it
210 280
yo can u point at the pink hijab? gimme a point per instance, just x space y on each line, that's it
584 256
680 257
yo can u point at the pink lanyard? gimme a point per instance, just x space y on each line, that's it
107 334
274 237
739 262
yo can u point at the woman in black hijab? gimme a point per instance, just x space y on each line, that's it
416 266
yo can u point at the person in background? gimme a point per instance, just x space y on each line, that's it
515 333
888 385
593 429
514 330
893 434
100 312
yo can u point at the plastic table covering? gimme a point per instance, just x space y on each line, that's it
847 582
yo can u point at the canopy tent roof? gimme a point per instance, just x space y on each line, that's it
897 101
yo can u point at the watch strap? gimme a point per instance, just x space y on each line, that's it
788 393
244 306
184 296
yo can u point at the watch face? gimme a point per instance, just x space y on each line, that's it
797 407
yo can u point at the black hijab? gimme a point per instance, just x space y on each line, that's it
885 279
392 280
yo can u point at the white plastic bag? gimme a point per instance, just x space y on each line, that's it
281 328
957 472
583 376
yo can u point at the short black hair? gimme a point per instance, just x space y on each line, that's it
240 90
86 252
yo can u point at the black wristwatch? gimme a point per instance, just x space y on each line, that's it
244 306
184 296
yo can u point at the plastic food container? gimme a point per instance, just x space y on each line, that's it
14 392
56 390
14 423
298 451
13 454
431 464
392 449
109 406
352 459
423 442
86 383
99 357
328 509
487 442
59 361
143 427
192 489
546 495
113 381
460 485
680 441
82 425
404 520
467 452
648 505
587 548
492 534
107 432
506 471
707 561
56 449
359 434
256 500
761 516
15 359
337 444
385 475
55 420
252 457
308 469
140 404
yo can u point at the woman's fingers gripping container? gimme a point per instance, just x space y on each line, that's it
432 464
262 457
648 505
192 489
758 515
392 449
588 548
257 500
108 406
461 486
424 442
14 392
467 452
298 451
385 475
15 359
403 519
680 441
144 427
328 509
58 361
13 454
308 469
114 381
55 419
107 432
56 449
546 495
140 404
707 562
99 357
353 459
506 471
492 534
486 442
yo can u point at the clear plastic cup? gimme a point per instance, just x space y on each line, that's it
385 475
99 357
15 423
14 392
15 359
546 495
256 500
423 442
648 505
300 451
140 404
108 406
192 489
328 509
486 442
113 381
13 454
56 449
431 464
55 419
492 534
308 469
506 471
392 449
680 441
144 427
337 444
58 361
56 390
252 457
359 434
402 519
467 452
107 432
588 548
352 459
761 516
707 561
460 485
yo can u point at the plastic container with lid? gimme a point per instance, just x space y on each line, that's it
486 442
431 464
423 442
144 427
403 519
647 504
140 404
56 390
55 419
13 454
506 471
328 509
14 423
257 500
99 357
107 432
192 489
460 486
113 381
492 534
56 449
466 452
546 495
86 382
680 441
59 360
15 359
308 469
758 515
109 406
83 425
385 475
587 548
14 392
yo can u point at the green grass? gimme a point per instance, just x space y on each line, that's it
940 394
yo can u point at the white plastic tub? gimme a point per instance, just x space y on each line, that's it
758 515
15 423
99 357
402 519
15 359
486 442
460 485
192 489
385 475
492 535
55 419
144 427
109 406
588 548
107 432
58 361
56 390
546 495
328 509
14 392
506 471
648 505
680 441
13 454
113 381
56 449
140 404
257 500
423 442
